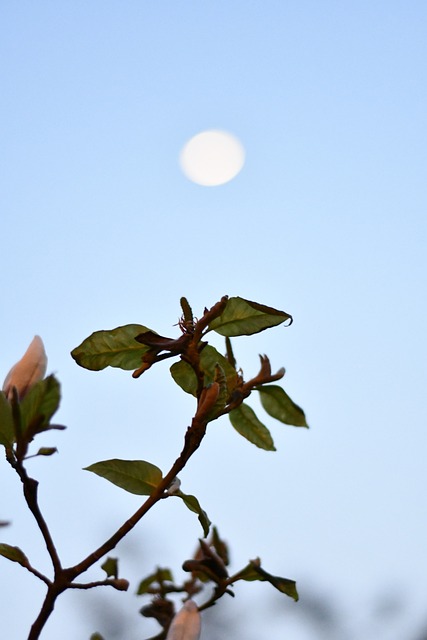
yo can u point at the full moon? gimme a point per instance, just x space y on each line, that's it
212 158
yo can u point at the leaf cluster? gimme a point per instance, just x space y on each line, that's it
209 572
219 387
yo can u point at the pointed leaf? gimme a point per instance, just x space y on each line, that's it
185 377
39 405
254 571
160 576
112 348
135 476
220 546
110 566
246 423
278 405
243 318
46 451
13 553
7 434
192 503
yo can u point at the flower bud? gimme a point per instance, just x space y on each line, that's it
174 486
29 370
186 623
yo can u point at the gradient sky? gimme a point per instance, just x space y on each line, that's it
327 220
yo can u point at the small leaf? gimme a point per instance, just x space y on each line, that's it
278 405
136 476
113 348
192 503
254 571
243 318
13 553
7 436
246 423
46 451
210 358
220 546
39 405
110 566
96 636
160 576
186 310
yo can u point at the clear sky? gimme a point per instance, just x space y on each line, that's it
327 220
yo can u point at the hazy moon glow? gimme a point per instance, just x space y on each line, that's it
212 158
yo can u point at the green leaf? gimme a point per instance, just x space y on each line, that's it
278 405
96 636
13 553
7 436
243 318
113 348
160 576
46 451
185 377
254 571
110 566
192 503
246 423
135 476
39 405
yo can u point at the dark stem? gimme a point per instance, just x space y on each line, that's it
45 611
30 487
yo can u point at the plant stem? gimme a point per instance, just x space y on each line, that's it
45 611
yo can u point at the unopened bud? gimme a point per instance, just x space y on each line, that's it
186 623
30 369
120 584
173 487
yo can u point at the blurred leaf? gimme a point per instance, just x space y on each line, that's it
13 553
185 377
246 423
254 571
243 318
278 405
113 348
39 405
46 451
192 503
135 476
96 636
161 575
111 568
220 546
7 432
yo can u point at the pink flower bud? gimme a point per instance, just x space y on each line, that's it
30 369
186 623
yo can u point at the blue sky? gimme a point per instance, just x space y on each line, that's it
327 221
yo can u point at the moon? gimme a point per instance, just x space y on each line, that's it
212 158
